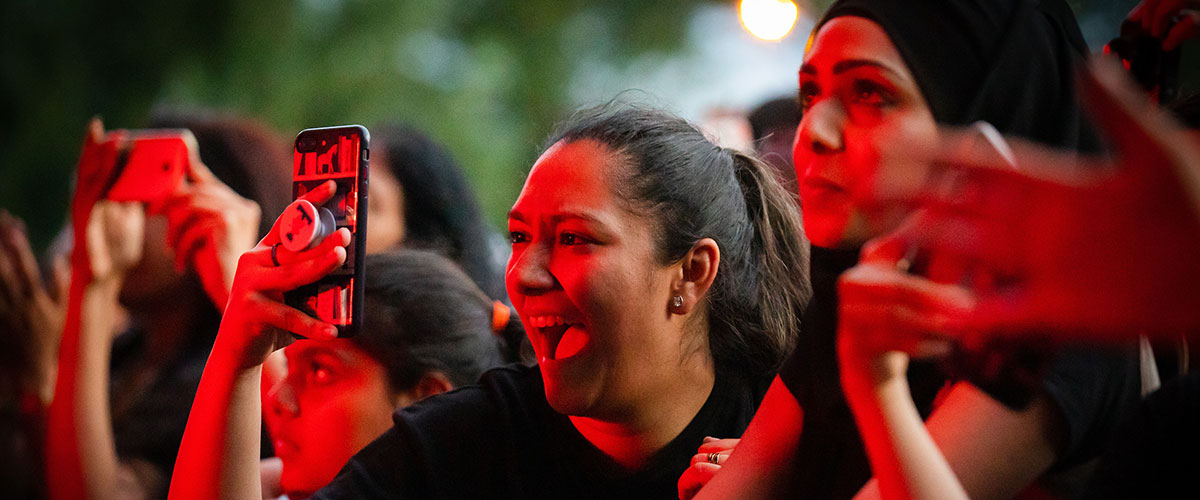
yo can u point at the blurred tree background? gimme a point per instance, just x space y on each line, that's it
486 77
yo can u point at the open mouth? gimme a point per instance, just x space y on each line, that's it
560 338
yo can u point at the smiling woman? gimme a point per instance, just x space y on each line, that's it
658 274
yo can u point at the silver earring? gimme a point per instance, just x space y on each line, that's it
677 301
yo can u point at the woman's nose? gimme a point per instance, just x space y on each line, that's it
821 128
530 272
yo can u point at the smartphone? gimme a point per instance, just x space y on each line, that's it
339 154
152 166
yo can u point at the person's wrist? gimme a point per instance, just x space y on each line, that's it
234 345
872 370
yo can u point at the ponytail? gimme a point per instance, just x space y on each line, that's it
782 252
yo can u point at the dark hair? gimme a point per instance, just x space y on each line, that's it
423 314
440 210
245 154
773 114
695 189
1186 109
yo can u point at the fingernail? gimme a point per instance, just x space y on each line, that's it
331 332
709 439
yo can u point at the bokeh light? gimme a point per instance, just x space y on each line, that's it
769 20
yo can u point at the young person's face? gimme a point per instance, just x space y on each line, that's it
860 143
333 402
585 279
386 210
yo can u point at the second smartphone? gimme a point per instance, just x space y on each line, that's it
339 154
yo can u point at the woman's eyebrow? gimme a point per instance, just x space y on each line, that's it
849 64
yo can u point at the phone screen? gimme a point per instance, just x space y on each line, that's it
338 154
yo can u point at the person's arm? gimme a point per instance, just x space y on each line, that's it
884 317
994 452
764 455
81 457
219 454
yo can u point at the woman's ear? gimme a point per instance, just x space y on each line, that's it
431 383
697 270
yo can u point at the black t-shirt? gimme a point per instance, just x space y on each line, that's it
1157 453
148 429
1092 390
501 439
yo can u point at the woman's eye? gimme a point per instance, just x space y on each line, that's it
320 374
569 239
871 94
808 94
516 237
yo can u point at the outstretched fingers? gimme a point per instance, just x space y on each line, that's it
275 314
297 269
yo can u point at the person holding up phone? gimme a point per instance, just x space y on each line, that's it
121 397
654 272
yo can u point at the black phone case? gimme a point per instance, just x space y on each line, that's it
315 161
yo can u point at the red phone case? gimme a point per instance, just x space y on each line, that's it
153 169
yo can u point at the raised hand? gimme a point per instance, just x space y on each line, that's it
705 463
256 321
1083 248
29 311
1174 21
209 226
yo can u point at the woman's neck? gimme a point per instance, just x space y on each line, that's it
649 427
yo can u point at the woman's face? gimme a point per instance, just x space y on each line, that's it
585 279
385 212
861 144
333 402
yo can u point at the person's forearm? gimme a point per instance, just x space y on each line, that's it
81 457
904 458
219 454
765 454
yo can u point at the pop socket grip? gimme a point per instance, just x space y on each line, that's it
304 225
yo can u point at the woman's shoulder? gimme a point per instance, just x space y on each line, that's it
505 393
473 431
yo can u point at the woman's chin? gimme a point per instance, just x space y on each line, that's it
566 394
842 231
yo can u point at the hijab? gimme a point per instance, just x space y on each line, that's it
1008 62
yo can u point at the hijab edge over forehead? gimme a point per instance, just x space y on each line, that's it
1007 62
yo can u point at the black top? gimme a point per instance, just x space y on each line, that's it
1093 391
501 439
1157 453
148 428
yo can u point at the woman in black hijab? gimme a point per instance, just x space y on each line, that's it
878 80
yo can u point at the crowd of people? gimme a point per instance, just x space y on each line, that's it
974 274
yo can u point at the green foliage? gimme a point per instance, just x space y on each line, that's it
486 77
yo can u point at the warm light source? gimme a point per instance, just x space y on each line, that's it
768 19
